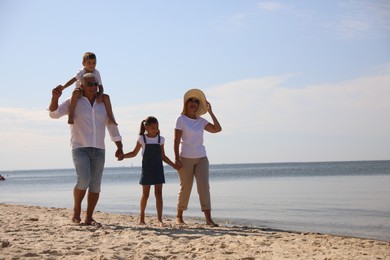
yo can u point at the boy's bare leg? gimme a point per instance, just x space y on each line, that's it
73 102
110 114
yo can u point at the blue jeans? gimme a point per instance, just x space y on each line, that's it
89 165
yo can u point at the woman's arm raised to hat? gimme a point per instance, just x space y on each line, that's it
215 127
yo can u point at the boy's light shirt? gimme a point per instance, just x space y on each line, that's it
82 72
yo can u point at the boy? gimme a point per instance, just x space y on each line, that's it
89 63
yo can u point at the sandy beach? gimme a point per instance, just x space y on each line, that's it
47 233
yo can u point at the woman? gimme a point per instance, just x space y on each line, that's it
192 159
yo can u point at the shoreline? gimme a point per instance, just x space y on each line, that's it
47 232
227 222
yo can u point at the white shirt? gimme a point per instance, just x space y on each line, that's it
81 73
192 136
90 123
149 140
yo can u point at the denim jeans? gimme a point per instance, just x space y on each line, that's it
89 165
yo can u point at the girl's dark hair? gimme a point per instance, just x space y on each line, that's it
148 121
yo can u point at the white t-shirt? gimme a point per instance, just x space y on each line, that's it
192 136
81 73
149 140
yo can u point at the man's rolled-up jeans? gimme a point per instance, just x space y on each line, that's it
89 165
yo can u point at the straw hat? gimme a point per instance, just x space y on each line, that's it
199 95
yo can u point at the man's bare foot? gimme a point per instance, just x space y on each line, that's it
180 221
76 220
92 222
76 217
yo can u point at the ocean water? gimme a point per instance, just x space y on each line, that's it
342 198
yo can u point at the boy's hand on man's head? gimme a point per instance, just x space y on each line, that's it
99 97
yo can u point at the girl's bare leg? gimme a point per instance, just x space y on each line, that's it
159 203
144 201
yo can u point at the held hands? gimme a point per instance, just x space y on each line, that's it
119 154
177 164
57 92
55 96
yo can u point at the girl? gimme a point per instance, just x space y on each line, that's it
152 167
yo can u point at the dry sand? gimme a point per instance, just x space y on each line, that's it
47 233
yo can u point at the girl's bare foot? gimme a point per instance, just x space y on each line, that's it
142 221
160 224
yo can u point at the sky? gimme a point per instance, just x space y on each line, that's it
289 81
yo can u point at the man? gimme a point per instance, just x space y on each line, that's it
87 143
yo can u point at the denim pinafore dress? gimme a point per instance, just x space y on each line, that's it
152 166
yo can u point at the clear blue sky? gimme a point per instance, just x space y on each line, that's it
289 81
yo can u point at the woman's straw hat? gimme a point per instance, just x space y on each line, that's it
199 95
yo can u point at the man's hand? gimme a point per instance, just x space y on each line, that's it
57 92
119 154
119 151
55 95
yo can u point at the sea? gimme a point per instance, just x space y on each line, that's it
341 198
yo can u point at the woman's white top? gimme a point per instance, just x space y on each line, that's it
192 136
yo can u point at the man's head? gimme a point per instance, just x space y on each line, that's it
89 84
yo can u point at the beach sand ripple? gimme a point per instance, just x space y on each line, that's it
47 233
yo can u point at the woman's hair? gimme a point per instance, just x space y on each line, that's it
148 121
88 56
